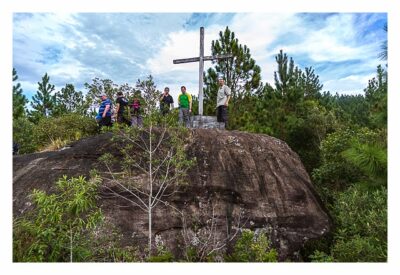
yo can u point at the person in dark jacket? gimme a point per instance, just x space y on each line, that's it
166 102
122 109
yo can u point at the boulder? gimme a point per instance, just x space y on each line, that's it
240 180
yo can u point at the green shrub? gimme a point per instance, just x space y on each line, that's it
337 171
57 229
23 135
162 255
251 248
361 212
319 256
359 249
64 129
361 234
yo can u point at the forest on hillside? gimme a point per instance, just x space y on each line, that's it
341 140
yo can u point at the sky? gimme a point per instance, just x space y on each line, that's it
343 48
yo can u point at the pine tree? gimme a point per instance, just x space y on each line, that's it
241 73
19 99
43 101
383 55
293 85
376 96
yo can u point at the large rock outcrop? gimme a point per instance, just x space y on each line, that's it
255 177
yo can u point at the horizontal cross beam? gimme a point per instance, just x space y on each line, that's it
197 59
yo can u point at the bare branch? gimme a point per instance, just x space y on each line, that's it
126 189
125 198
161 139
124 135
162 163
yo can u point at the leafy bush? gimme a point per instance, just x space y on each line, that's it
56 229
252 248
359 249
361 235
319 256
64 129
23 135
337 172
361 212
162 256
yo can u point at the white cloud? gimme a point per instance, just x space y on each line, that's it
348 85
336 40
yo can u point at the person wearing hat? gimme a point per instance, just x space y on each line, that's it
104 115
166 101
223 96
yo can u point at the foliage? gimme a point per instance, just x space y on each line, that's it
362 218
376 96
359 249
336 172
292 84
99 86
370 158
69 101
361 235
162 254
362 212
63 129
383 55
319 256
23 135
253 248
43 101
19 99
106 245
56 229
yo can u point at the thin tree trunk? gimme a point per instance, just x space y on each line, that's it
151 185
70 244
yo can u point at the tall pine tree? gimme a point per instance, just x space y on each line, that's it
241 73
292 84
43 101
19 100
376 96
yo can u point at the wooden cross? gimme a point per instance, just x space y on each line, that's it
201 60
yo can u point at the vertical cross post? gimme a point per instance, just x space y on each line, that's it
201 68
201 60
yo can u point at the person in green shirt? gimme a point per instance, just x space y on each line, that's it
185 107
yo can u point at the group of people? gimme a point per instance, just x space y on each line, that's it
130 113
125 112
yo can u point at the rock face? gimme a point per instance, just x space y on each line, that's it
241 180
